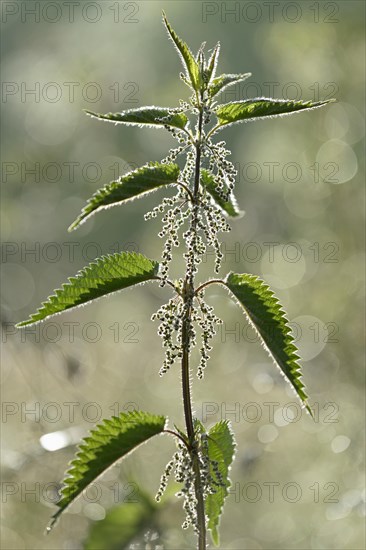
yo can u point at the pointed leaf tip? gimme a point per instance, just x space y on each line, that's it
136 183
103 276
221 449
261 107
189 63
223 81
210 70
110 441
150 116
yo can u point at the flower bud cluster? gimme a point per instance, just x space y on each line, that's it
170 330
213 223
160 208
224 170
182 464
210 475
186 175
164 480
195 244
177 133
207 321
172 221
172 316
173 154
207 113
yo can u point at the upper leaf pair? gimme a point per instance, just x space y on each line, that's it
227 114
115 438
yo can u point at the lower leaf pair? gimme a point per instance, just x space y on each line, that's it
116 438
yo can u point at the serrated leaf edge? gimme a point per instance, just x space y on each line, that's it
159 125
303 403
239 77
69 282
191 77
215 532
81 219
81 450
266 117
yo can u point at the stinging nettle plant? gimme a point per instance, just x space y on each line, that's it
198 212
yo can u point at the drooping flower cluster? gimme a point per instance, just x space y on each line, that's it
212 223
182 464
224 170
207 321
195 244
170 316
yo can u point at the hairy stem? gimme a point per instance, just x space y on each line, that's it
187 403
188 294
175 434
207 283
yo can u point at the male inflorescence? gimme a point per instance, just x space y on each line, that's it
198 222
182 466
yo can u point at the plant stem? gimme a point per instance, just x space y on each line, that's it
175 434
207 283
188 294
186 375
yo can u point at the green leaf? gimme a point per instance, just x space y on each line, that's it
187 57
221 448
134 184
123 524
145 116
107 274
224 81
265 313
230 207
239 111
107 443
212 63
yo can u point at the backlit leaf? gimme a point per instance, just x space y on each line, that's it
224 81
189 63
212 63
103 276
242 111
145 116
266 315
134 184
221 449
108 442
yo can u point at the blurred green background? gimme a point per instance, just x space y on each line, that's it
296 483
